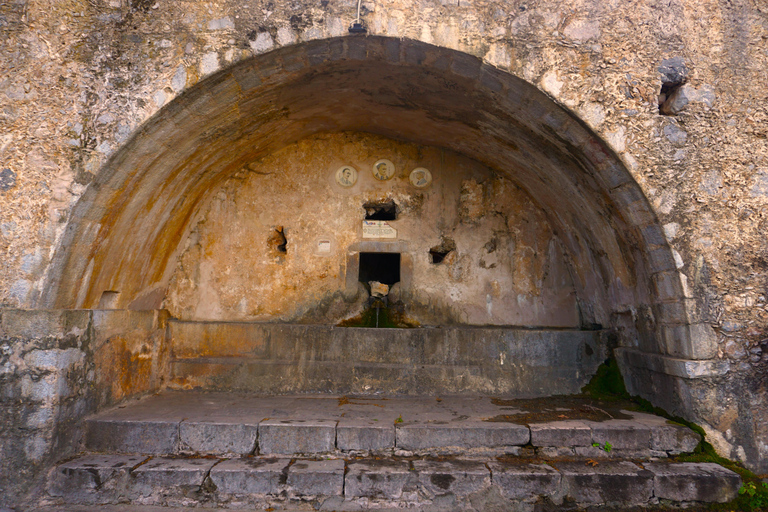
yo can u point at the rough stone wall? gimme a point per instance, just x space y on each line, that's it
78 77
55 368
504 266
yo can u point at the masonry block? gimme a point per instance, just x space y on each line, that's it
249 475
561 433
622 434
218 438
386 479
457 477
93 478
154 437
607 482
164 476
519 481
689 481
297 436
459 437
364 435
316 478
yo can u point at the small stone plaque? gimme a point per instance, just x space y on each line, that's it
378 229
346 176
421 177
324 246
383 170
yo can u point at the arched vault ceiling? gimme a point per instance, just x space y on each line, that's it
126 231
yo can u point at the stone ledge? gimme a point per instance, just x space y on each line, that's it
684 368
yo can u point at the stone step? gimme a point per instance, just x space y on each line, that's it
211 424
360 483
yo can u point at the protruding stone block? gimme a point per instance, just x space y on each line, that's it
297 436
218 438
364 435
607 482
458 477
153 437
316 478
386 479
690 481
460 437
561 433
249 475
525 481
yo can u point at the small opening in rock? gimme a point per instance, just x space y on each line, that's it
383 267
380 210
667 90
277 240
438 253
108 299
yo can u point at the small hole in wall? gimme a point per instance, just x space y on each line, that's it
386 210
108 299
438 253
277 241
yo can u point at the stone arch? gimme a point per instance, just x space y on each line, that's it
126 231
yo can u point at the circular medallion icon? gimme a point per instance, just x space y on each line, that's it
346 176
383 170
420 177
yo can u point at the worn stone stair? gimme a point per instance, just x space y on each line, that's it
339 453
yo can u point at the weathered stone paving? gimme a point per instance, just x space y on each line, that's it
221 424
340 453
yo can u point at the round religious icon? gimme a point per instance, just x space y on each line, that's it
421 177
383 170
346 176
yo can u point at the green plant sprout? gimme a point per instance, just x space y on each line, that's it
607 447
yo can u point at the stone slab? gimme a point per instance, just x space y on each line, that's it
151 437
688 481
622 434
80 480
457 437
297 436
386 479
561 433
170 476
250 475
457 477
667 436
363 435
524 481
316 478
607 482
218 437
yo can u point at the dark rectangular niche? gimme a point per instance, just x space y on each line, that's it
383 267
386 210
